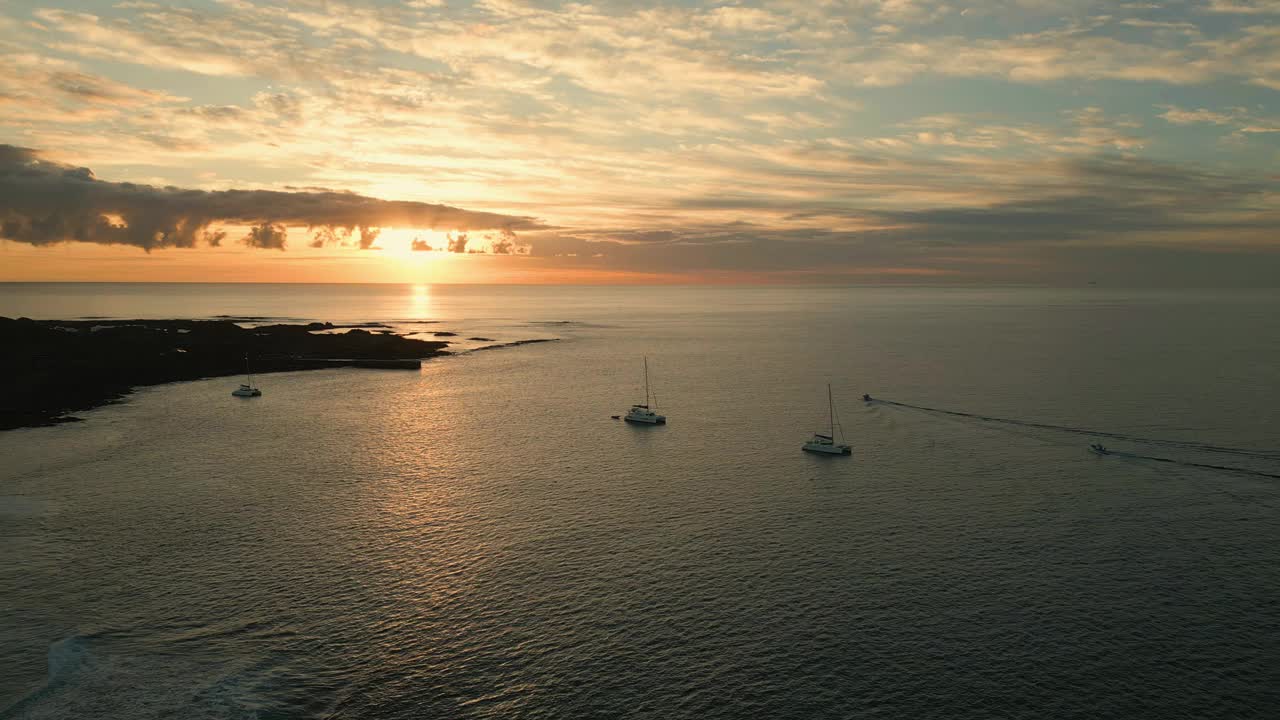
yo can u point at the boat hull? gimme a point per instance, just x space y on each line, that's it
827 449
247 393
642 420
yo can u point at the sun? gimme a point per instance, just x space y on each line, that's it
410 244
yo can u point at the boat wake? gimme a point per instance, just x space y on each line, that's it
1187 463
1180 444
87 680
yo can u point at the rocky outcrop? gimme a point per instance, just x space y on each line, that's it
54 367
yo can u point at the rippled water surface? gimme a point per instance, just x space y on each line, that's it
480 539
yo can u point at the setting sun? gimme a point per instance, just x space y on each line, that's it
652 359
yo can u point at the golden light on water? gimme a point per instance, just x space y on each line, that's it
420 301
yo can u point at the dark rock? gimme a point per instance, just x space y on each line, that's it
514 344
48 372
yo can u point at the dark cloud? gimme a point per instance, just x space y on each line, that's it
266 235
324 236
285 106
933 255
43 202
214 113
505 244
1099 216
90 87
457 242
1107 198
643 236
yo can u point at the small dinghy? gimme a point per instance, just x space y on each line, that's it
1099 449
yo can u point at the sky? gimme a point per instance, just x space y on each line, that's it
815 141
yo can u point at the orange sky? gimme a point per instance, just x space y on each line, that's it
891 140
85 262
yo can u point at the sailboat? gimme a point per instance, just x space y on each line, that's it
246 388
826 443
643 413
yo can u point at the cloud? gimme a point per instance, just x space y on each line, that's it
597 49
1179 116
52 90
1161 25
44 202
744 19
267 235
1245 7
1070 52
287 107
1241 120
504 244
457 242
742 136
1086 207
368 236
1111 198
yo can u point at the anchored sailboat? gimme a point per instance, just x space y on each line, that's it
826 443
643 413
247 389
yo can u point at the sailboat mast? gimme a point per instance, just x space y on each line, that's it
831 413
646 381
248 375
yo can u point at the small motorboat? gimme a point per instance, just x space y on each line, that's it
866 397
1099 449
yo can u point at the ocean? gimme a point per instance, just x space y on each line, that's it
481 539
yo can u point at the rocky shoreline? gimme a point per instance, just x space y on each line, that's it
55 367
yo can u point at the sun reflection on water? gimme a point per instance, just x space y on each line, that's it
420 305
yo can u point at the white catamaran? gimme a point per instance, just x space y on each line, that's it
247 389
826 443
644 413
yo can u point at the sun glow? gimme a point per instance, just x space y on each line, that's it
412 255
409 244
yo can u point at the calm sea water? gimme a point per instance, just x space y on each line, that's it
481 540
